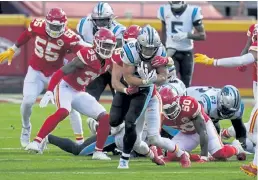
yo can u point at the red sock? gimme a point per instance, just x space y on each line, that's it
51 123
102 131
195 157
226 152
159 151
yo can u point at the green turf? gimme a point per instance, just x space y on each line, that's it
17 164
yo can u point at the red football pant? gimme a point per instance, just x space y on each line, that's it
226 152
102 131
50 123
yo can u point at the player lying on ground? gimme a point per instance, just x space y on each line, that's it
222 104
187 115
115 140
250 57
68 84
53 39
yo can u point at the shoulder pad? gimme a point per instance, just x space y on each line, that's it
85 54
36 23
116 58
161 13
127 53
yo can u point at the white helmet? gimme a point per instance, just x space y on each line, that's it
229 101
148 42
102 15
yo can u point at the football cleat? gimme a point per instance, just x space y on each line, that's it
185 160
241 153
250 169
25 136
158 160
43 145
33 147
99 155
92 124
123 164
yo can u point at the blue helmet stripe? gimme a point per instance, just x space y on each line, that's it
236 97
101 8
152 37
148 29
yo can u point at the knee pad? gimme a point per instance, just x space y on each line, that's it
154 140
115 120
29 100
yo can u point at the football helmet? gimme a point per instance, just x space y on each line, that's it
177 5
170 100
131 33
148 42
56 22
104 43
229 101
102 15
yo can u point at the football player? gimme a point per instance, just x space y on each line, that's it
178 21
115 140
250 57
52 41
187 115
231 133
102 16
68 84
144 104
222 104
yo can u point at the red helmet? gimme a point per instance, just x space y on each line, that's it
254 37
131 33
56 21
170 101
104 43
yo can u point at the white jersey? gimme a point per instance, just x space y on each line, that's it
85 29
176 24
177 86
130 55
208 98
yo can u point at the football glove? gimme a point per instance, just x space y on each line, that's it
203 59
162 61
48 96
142 71
180 36
131 90
8 54
152 77
242 68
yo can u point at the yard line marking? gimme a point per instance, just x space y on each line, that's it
10 148
100 173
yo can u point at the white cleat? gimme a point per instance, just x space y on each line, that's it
33 147
93 124
123 164
43 145
239 148
25 136
99 155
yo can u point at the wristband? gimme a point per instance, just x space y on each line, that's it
14 48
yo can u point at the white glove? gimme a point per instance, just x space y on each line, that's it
180 36
48 96
152 77
142 71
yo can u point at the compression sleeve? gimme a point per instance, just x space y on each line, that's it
24 38
56 78
235 61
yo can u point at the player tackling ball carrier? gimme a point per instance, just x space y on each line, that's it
68 84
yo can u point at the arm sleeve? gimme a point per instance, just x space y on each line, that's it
25 36
56 78
161 13
235 61
197 14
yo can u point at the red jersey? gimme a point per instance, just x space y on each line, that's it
92 69
49 53
116 57
250 33
190 108
254 47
